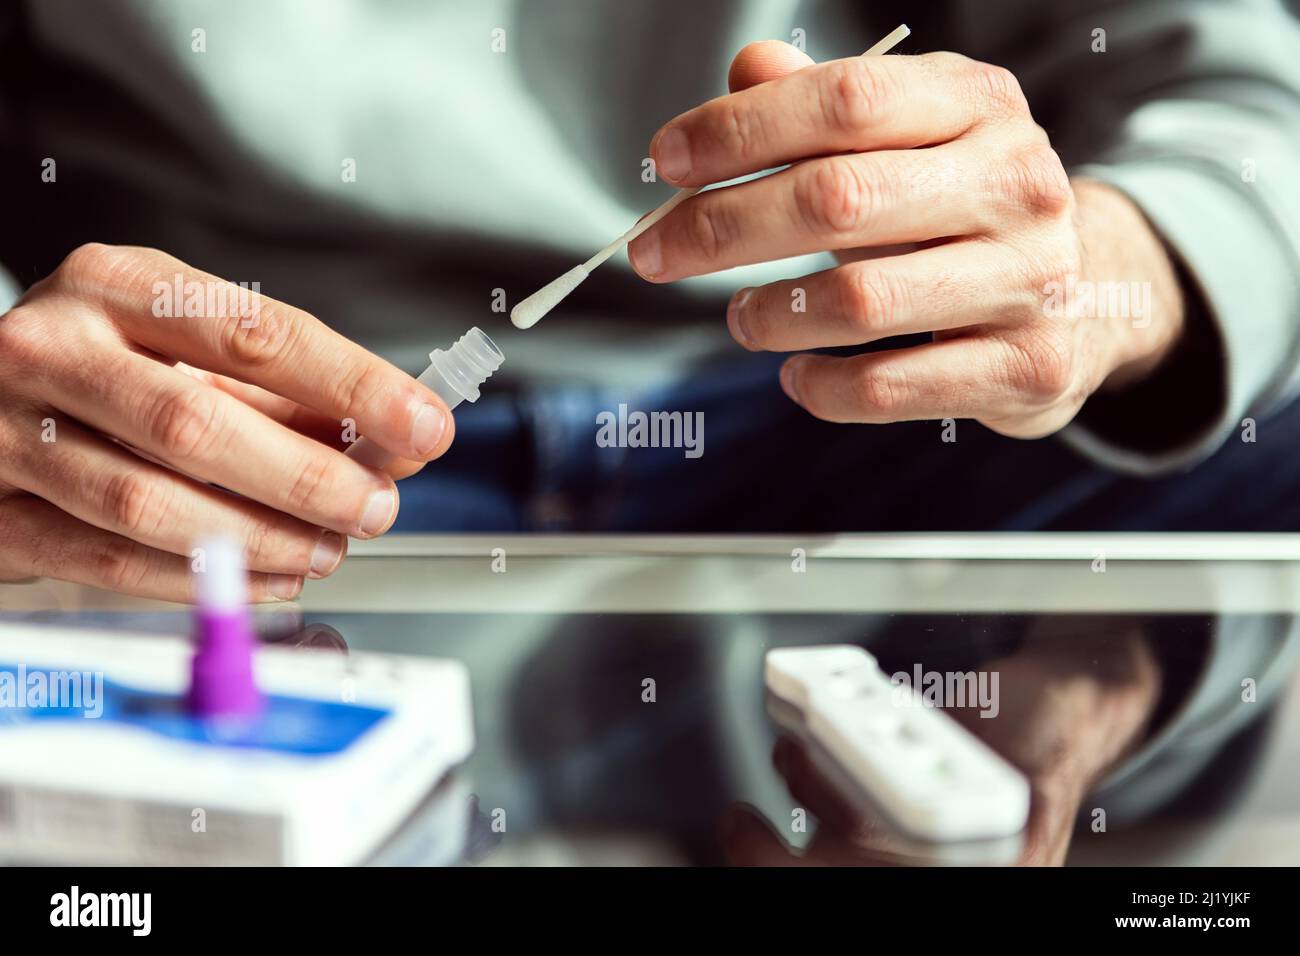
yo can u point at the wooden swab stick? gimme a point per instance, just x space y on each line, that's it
530 311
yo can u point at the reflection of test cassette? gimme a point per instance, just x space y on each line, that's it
344 749
882 746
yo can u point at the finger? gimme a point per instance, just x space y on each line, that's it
289 413
763 61
315 636
258 340
400 468
875 102
106 485
943 287
303 420
207 434
40 539
840 202
852 834
1046 837
954 378
810 789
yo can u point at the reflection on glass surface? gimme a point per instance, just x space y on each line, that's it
621 713
1136 716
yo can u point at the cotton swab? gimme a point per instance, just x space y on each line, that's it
890 40
531 310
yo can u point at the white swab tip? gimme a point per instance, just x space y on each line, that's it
530 311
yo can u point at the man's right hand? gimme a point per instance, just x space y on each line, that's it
120 427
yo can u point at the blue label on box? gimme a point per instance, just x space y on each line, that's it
293 725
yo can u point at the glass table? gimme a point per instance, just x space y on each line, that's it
1143 683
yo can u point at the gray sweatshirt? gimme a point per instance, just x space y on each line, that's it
391 166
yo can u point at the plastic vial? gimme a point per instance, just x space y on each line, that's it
454 374
221 671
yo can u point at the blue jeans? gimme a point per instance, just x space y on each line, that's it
529 461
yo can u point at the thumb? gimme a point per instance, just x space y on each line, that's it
762 61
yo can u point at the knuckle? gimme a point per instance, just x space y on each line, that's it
1036 181
118 563
24 338
181 422
131 503
93 262
875 299
834 197
357 390
1042 369
96 265
1057 268
998 86
740 130
880 392
18 454
710 230
264 342
262 545
945 63
16 563
853 93
312 488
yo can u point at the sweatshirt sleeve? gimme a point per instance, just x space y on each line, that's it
1250 664
8 291
1192 109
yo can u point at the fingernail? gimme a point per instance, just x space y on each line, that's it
647 255
380 509
286 587
790 378
672 155
736 319
427 428
327 554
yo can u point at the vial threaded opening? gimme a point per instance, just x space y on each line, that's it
469 362
479 352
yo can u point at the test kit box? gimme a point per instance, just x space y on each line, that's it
101 761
